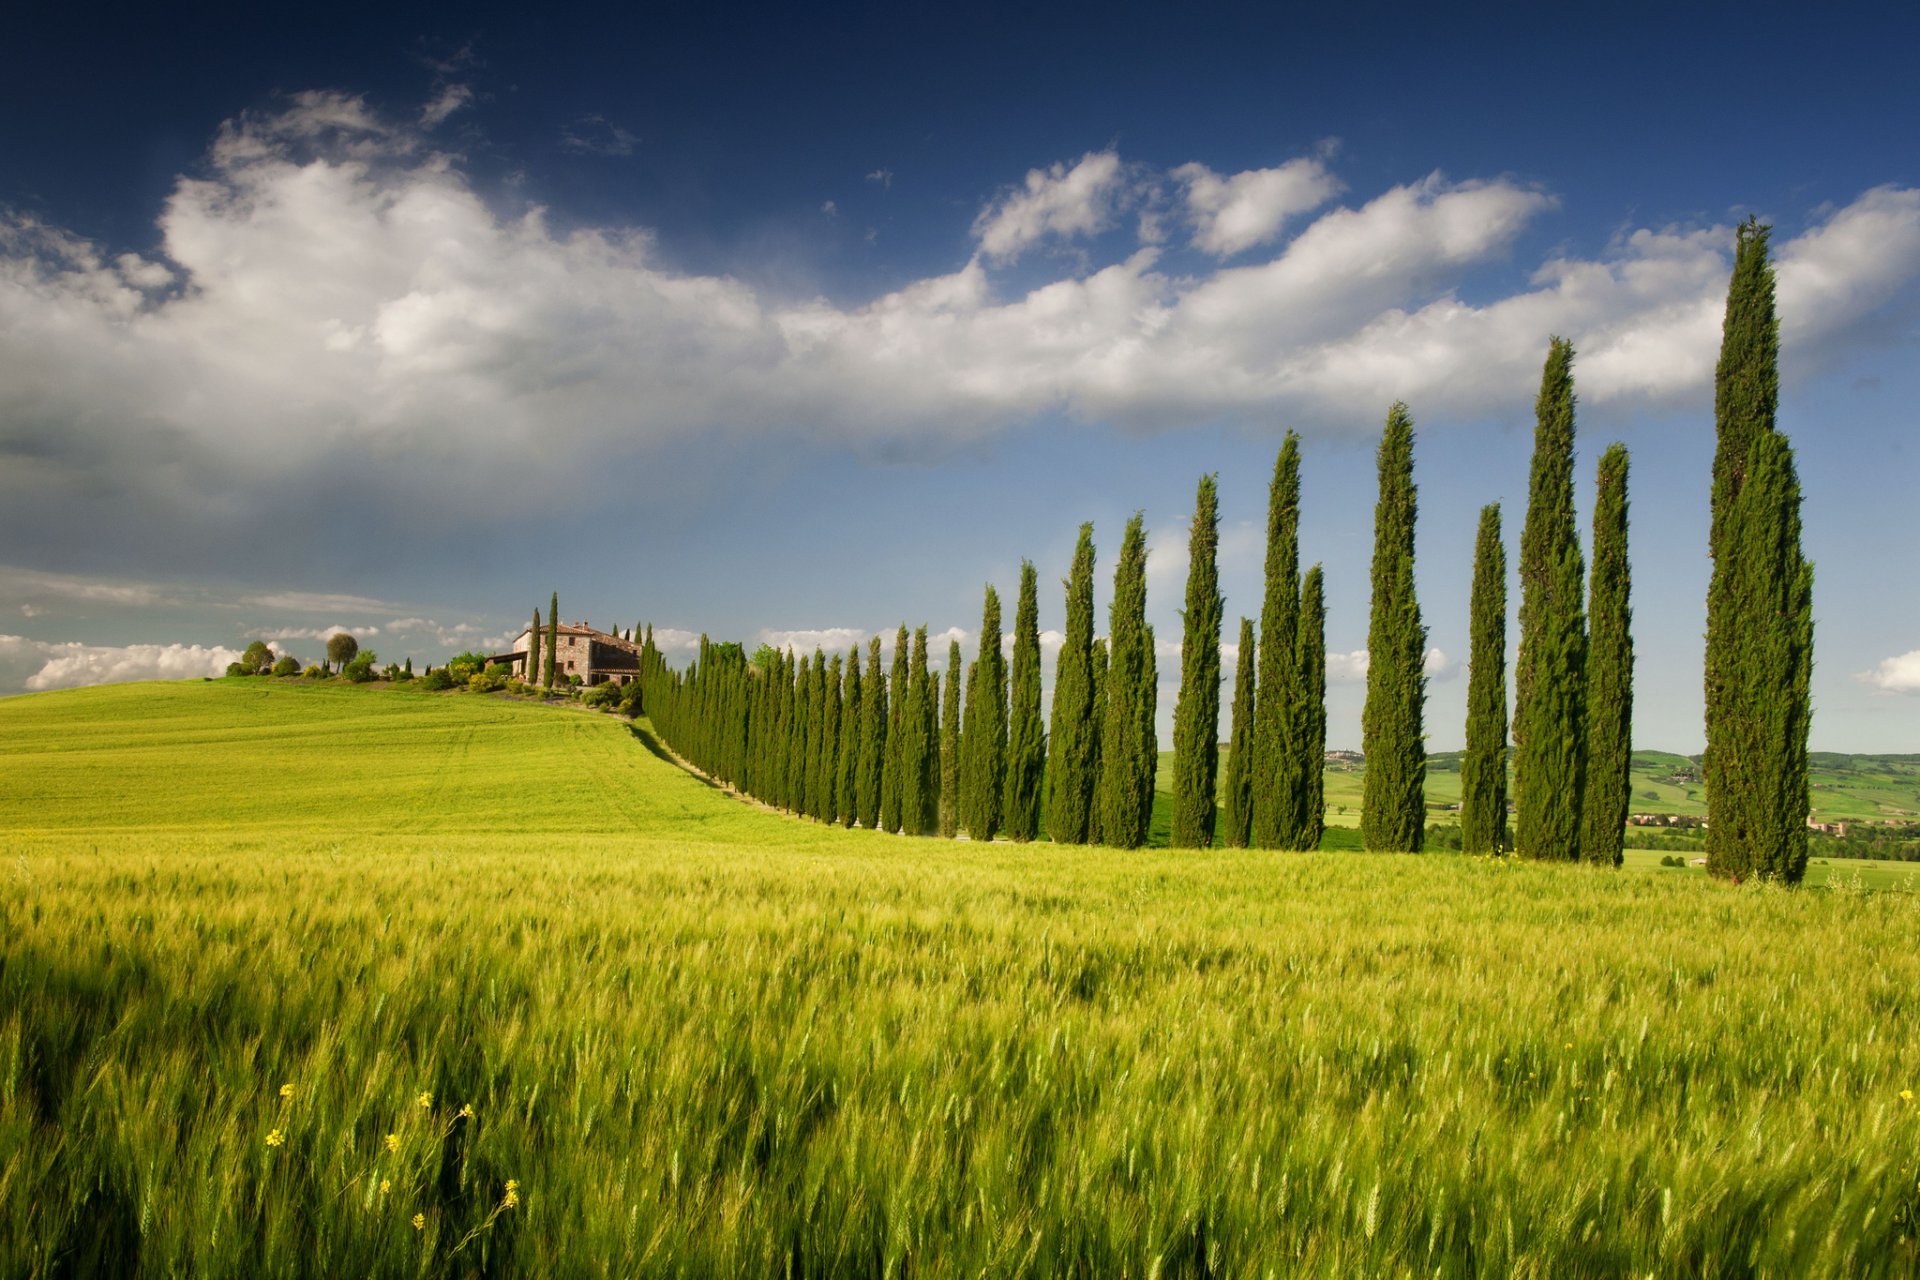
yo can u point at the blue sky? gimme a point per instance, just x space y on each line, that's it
796 325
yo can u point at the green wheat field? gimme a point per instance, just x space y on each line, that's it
301 980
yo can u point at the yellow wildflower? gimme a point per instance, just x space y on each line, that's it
393 1142
425 1100
1906 1095
286 1091
386 1185
467 1111
419 1222
275 1138
513 1193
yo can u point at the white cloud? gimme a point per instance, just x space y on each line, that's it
829 208
1234 213
672 640
1347 668
1898 674
882 176
16 583
805 640
1055 201
317 602
66 666
1438 666
279 635
346 315
450 99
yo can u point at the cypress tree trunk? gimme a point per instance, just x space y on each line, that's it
1609 671
1310 707
1128 749
533 648
984 745
1393 804
1196 711
1070 766
1026 736
1097 724
1483 767
893 780
1276 798
1237 820
553 637
1759 602
1766 708
950 745
1549 722
873 739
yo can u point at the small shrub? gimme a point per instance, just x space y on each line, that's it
314 672
437 680
235 669
602 695
287 666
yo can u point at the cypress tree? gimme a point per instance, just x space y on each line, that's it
922 815
873 739
893 779
1549 724
1393 801
553 637
409 667
1310 708
1609 699
983 748
1026 735
1766 708
1129 751
1237 820
1759 654
1483 767
1276 799
830 744
852 722
1097 725
533 647
950 745
1070 771
805 737
1196 711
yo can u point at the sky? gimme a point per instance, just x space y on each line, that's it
791 326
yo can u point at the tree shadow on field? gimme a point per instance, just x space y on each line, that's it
653 744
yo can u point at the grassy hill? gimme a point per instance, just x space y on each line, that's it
300 980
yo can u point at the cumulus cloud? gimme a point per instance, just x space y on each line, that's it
66 666
1898 674
805 640
1347 668
336 315
1234 213
1058 200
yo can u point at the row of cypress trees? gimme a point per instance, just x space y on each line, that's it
919 765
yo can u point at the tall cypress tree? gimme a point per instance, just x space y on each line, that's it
1026 735
1129 751
950 745
1483 767
1237 820
1766 708
919 745
873 739
553 637
1310 708
893 781
533 648
806 736
830 744
1196 711
1097 723
1393 801
1549 721
983 747
1070 771
846 777
1609 671
1759 602
1275 788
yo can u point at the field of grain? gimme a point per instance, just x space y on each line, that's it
314 980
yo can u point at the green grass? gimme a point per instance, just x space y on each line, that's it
707 1040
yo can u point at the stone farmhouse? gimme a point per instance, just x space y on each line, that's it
596 657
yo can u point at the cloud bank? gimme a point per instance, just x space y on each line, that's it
37 665
335 309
